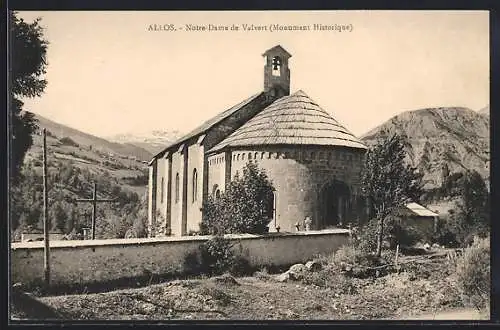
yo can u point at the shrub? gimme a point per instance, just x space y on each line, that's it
395 232
402 234
473 274
245 207
240 266
350 254
262 274
328 278
216 255
471 216
444 234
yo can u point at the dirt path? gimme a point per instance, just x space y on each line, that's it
457 314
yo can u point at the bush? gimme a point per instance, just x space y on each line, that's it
444 234
245 207
402 234
367 237
216 256
394 233
351 255
473 274
326 278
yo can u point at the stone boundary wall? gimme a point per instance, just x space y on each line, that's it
100 261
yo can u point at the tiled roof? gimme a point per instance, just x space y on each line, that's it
293 119
209 123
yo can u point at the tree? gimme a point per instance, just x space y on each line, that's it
472 213
58 216
245 206
28 50
387 181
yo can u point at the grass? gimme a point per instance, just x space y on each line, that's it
328 294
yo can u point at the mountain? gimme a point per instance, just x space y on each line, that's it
154 141
458 137
485 111
85 139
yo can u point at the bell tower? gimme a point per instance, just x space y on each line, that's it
276 71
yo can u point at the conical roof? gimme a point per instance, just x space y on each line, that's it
295 119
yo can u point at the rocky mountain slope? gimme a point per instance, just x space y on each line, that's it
485 111
456 136
154 141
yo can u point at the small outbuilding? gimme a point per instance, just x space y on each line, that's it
419 216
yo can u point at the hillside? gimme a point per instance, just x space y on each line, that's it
75 161
154 141
85 139
456 136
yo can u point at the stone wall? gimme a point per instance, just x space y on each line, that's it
298 175
86 262
216 172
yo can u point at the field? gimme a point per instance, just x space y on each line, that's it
426 289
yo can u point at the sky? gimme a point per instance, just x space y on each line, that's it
108 73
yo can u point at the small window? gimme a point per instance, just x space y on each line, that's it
217 194
249 156
242 156
195 185
177 188
262 155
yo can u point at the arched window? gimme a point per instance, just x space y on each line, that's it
214 189
249 156
217 194
195 185
177 188
276 66
162 189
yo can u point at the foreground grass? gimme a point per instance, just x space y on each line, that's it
428 289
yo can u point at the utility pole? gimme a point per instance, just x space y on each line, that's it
46 264
94 202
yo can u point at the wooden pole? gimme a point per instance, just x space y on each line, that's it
397 256
94 209
46 264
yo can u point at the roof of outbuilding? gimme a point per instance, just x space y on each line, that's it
293 119
420 210
209 123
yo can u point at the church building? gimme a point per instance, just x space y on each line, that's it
313 161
